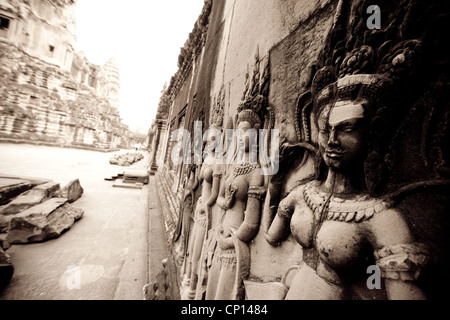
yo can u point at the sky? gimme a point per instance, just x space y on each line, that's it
145 37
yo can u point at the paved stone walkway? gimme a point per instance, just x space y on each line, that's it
105 255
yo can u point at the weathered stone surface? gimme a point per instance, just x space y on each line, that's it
47 190
30 198
4 244
44 221
4 222
129 185
6 268
322 54
164 286
33 180
21 203
4 226
158 289
72 191
126 159
9 188
136 175
62 107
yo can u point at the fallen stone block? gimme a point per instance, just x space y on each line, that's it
72 191
30 198
114 176
21 203
135 175
4 224
33 180
4 244
43 221
6 269
47 190
10 188
4 227
121 184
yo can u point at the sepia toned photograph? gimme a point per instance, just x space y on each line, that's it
242 151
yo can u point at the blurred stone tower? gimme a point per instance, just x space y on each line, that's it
49 92
112 74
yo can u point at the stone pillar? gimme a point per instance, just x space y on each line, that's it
153 164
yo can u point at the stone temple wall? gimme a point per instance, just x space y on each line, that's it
358 208
330 78
49 93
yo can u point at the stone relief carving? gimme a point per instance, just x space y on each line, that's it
359 174
206 176
184 224
350 216
210 175
240 199
336 215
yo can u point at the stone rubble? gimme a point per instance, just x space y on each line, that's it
6 268
126 159
44 221
10 188
72 191
34 210
30 198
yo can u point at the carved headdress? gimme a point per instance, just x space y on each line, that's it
354 80
373 67
363 63
255 97
217 112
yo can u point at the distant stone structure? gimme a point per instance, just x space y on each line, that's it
49 93
359 206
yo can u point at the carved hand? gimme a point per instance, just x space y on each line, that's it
279 227
221 202
225 239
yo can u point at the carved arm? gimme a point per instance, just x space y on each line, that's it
214 189
399 257
279 228
250 226
221 202
196 178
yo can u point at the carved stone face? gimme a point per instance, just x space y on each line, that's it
342 135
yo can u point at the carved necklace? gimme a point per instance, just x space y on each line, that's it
241 169
349 210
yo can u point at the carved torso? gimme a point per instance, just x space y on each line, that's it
335 226
236 190
207 173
